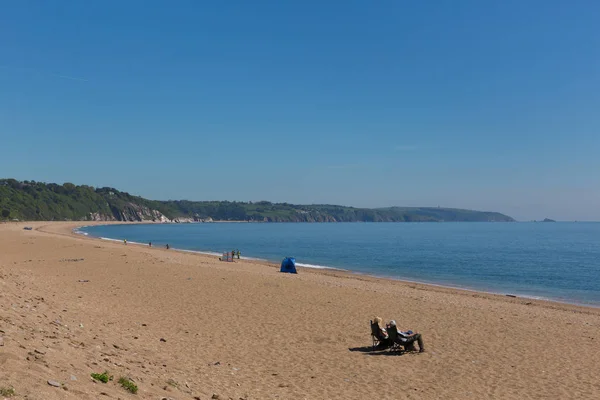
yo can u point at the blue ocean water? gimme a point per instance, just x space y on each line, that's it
559 261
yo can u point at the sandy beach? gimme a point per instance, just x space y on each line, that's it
186 326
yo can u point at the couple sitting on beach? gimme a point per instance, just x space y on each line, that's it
390 335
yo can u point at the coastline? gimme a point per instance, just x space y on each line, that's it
350 272
184 325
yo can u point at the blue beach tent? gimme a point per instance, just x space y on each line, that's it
288 265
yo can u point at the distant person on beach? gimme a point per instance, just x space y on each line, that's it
150 244
238 254
407 339
125 241
168 246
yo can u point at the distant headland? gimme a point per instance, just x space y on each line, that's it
38 201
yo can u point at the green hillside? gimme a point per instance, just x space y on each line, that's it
30 200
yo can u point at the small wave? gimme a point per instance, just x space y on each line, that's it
121 241
318 266
208 253
112 240
531 297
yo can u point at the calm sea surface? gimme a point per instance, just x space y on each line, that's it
559 261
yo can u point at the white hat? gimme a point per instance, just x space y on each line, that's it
393 323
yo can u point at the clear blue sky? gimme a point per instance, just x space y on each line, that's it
472 104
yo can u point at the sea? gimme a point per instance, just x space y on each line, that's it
555 261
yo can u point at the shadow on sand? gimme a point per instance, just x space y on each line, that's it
378 351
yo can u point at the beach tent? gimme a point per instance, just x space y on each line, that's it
288 265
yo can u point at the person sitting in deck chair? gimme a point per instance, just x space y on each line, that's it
381 339
407 339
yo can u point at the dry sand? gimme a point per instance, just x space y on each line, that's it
244 331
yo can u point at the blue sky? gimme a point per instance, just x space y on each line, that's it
471 104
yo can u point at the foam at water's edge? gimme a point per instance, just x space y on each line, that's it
319 267
121 241
208 253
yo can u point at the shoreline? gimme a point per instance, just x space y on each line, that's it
183 326
311 267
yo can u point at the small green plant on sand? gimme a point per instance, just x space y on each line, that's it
128 384
7 391
103 377
171 382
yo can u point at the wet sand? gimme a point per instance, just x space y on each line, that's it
72 305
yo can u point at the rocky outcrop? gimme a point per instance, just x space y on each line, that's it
189 220
100 217
183 220
131 213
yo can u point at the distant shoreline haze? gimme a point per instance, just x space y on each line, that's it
39 201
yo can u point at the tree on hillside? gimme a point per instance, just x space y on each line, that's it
5 213
69 187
